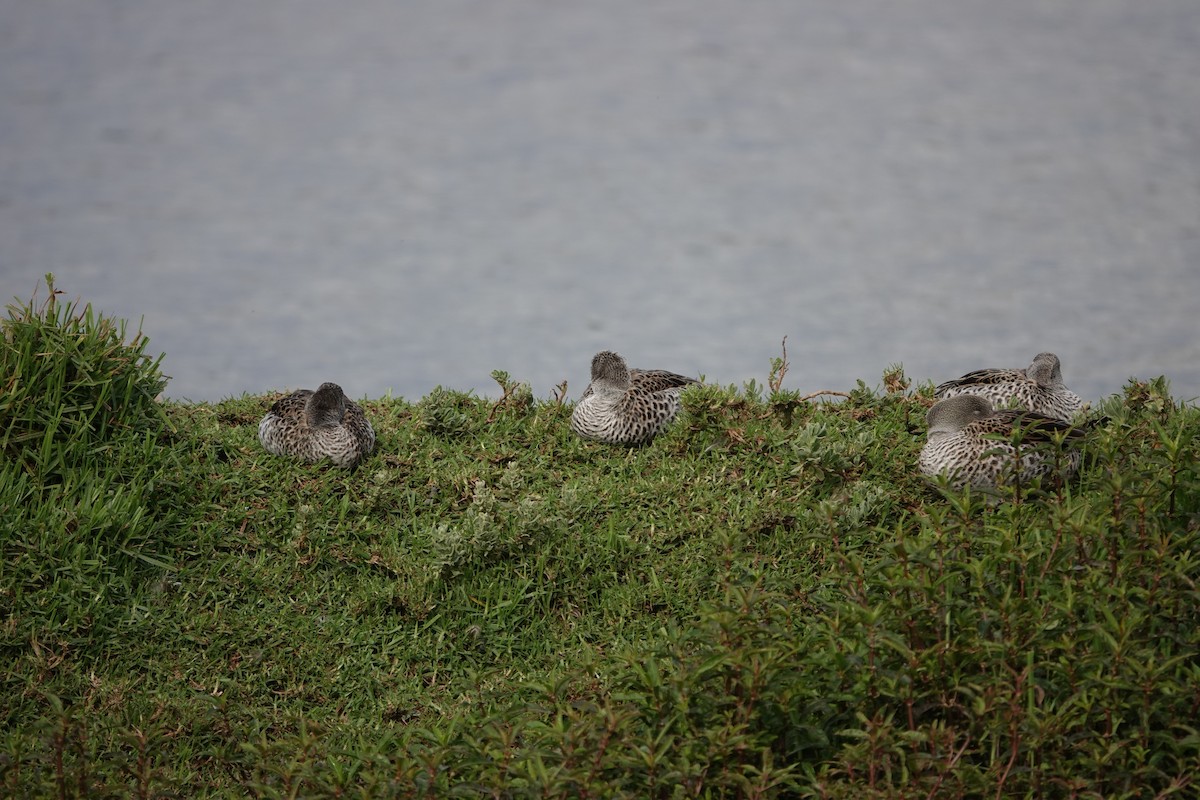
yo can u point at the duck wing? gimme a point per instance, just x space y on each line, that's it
983 377
1035 428
657 380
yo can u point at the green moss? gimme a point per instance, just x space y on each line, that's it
765 602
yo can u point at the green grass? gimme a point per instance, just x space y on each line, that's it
765 602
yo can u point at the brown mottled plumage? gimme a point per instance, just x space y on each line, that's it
971 443
1038 388
624 406
314 425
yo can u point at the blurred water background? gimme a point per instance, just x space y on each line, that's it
400 195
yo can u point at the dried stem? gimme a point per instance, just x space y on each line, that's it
825 392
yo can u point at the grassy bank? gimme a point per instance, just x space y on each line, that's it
766 602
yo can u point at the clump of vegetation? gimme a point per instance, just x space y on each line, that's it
73 384
79 434
767 601
446 413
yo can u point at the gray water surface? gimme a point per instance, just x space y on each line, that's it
400 195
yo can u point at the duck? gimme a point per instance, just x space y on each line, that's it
972 443
315 425
626 406
1038 388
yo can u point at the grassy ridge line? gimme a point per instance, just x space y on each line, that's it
765 602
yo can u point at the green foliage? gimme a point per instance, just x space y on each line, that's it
764 602
1009 654
79 511
72 384
446 413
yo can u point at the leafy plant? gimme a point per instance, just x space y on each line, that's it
72 383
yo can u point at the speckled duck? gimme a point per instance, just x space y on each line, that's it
316 425
624 406
1038 388
971 443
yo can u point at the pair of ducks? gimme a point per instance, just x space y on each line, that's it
969 440
620 406
996 427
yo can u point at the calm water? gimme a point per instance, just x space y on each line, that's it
400 195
